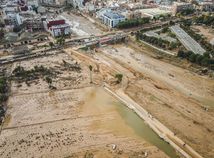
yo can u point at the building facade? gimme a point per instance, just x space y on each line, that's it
111 19
13 20
180 6
57 27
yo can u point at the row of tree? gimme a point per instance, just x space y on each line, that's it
3 97
157 41
203 60
207 19
133 23
3 90
187 11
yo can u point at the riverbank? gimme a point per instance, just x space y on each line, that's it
157 126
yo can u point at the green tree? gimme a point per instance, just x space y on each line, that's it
119 78
192 58
51 44
49 81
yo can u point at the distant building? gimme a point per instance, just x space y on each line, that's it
180 6
11 9
33 3
1 15
111 19
76 3
34 24
52 2
155 12
101 12
134 15
57 27
13 20
206 6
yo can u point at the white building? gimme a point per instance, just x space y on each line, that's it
32 3
13 20
76 3
111 19
57 27
1 15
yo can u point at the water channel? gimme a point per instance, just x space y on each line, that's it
125 120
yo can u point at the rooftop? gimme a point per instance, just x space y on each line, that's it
112 15
154 11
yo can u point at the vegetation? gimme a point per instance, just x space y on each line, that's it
17 29
204 19
1 33
119 78
90 68
3 96
203 60
49 81
20 74
156 41
187 11
88 155
133 23
51 44
3 90
60 40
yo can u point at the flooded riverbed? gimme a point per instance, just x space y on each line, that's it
121 121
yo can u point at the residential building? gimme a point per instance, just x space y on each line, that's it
34 24
52 2
206 6
155 12
111 19
76 3
1 15
13 20
180 6
57 27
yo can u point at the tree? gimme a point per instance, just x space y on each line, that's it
1 33
49 81
173 45
198 59
51 44
90 68
60 41
17 29
192 58
119 78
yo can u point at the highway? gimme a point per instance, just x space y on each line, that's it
188 42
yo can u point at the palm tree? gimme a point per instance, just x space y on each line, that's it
90 68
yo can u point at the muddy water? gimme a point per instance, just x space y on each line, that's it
121 121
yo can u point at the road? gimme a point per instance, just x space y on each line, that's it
187 40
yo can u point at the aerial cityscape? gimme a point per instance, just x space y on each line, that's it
106 78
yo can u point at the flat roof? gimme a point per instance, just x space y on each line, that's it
112 15
154 11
